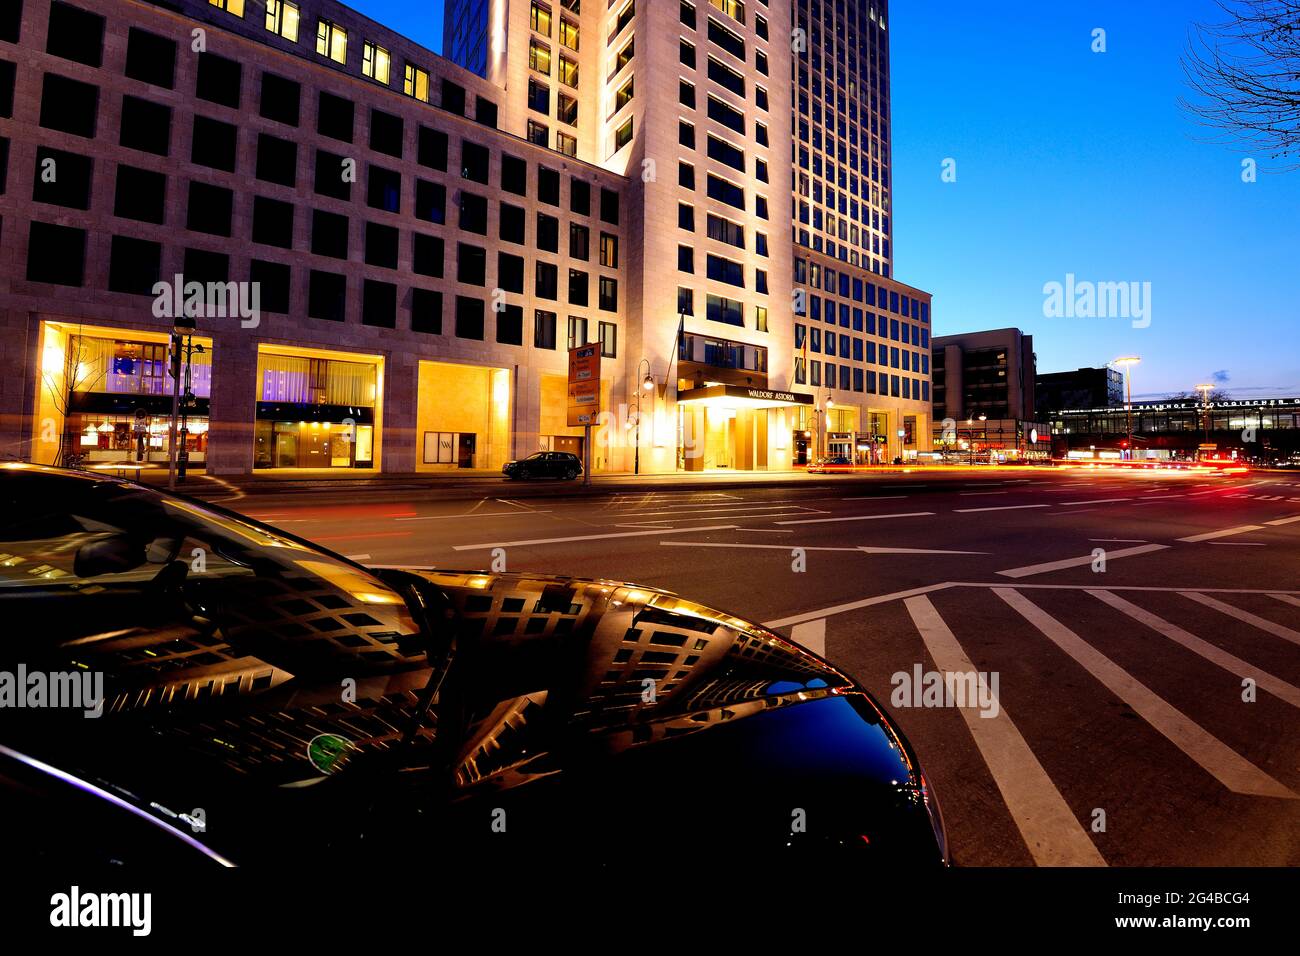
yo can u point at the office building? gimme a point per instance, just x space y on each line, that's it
1079 389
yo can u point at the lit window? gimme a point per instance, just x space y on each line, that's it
539 57
332 41
416 84
282 19
623 136
732 8
568 34
566 144
375 62
540 18
568 71
235 7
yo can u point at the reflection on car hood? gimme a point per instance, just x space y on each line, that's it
587 700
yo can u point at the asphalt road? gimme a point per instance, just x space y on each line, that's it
1117 733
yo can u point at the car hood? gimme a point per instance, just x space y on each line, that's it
606 708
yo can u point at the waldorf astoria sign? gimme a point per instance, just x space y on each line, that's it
765 396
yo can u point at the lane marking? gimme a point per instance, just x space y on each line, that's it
586 537
1079 562
967 494
1212 653
967 511
1122 540
876 498
1237 544
363 534
1049 828
1218 759
853 606
908 514
357 557
1277 522
1161 497
1254 620
812 635
1287 599
1210 535
1117 587
1094 501
478 514
787 547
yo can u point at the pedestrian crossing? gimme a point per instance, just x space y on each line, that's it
1102 634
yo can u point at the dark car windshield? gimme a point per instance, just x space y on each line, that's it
220 645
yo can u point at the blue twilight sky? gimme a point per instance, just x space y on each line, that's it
1070 161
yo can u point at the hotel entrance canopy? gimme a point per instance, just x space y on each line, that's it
740 396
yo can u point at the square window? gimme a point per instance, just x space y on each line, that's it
548 233
69 106
327 296
140 194
329 234
218 80
512 223
379 304
514 175
203 266
426 255
386 133
510 272
426 311
548 186
330 178
280 98
474 161
135 265
473 213
146 126
510 325
469 318
56 254
272 222
334 117
273 285
209 209
471 264
432 149
75 34
430 201
150 58
213 144
381 245
383 189
70 185
277 160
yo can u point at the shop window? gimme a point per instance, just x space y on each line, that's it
426 255
386 133
510 272
56 254
514 175
150 58
426 311
511 226
381 245
146 126
510 325
135 265
209 209
141 194
335 116
329 234
273 281
471 264
277 160
280 99
75 34
69 106
469 318
430 201
68 182
383 189
272 222
219 80
326 296
432 149
213 144
379 304
329 179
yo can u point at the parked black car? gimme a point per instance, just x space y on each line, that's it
271 704
544 464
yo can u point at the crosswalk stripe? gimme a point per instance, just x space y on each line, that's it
1288 599
812 635
1080 561
1216 655
1218 759
1224 533
1254 620
1050 829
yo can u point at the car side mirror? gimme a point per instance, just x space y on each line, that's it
109 555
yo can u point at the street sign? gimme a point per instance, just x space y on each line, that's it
584 385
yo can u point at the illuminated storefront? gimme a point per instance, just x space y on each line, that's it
316 409
463 420
737 427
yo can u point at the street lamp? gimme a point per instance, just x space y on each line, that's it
1205 391
1127 362
647 384
182 328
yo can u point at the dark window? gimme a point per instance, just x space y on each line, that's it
432 150
273 285
209 209
329 234
514 175
726 39
471 264
69 106
75 34
608 294
485 112
146 126
203 266
609 206
579 242
731 118
379 304
543 329
426 311
280 98
724 270
724 152
218 80
512 223
134 266
577 287
8 74
330 179
141 194
510 272
334 117
685 259
453 100
272 222
580 196
510 325
469 318
150 58
61 178
384 189
11 20
430 201
548 233
327 296
213 144
381 245
724 191
277 160
473 213
56 254
546 281
474 159
386 133
426 255
548 186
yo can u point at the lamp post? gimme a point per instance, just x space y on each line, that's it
647 384
1127 362
182 328
830 403
1205 391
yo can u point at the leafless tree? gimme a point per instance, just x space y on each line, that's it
1245 77
1216 395
77 373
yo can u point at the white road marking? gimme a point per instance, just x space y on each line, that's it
966 511
876 498
1161 497
1122 540
477 514
1224 533
357 557
1218 759
853 606
812 635
1079 562
586 537
1288 599
1238 544
965 494
788 547
1050 829
1278 630
1115 587
1094 501
1277 522
908 514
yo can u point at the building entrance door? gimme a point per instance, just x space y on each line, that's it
465 451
